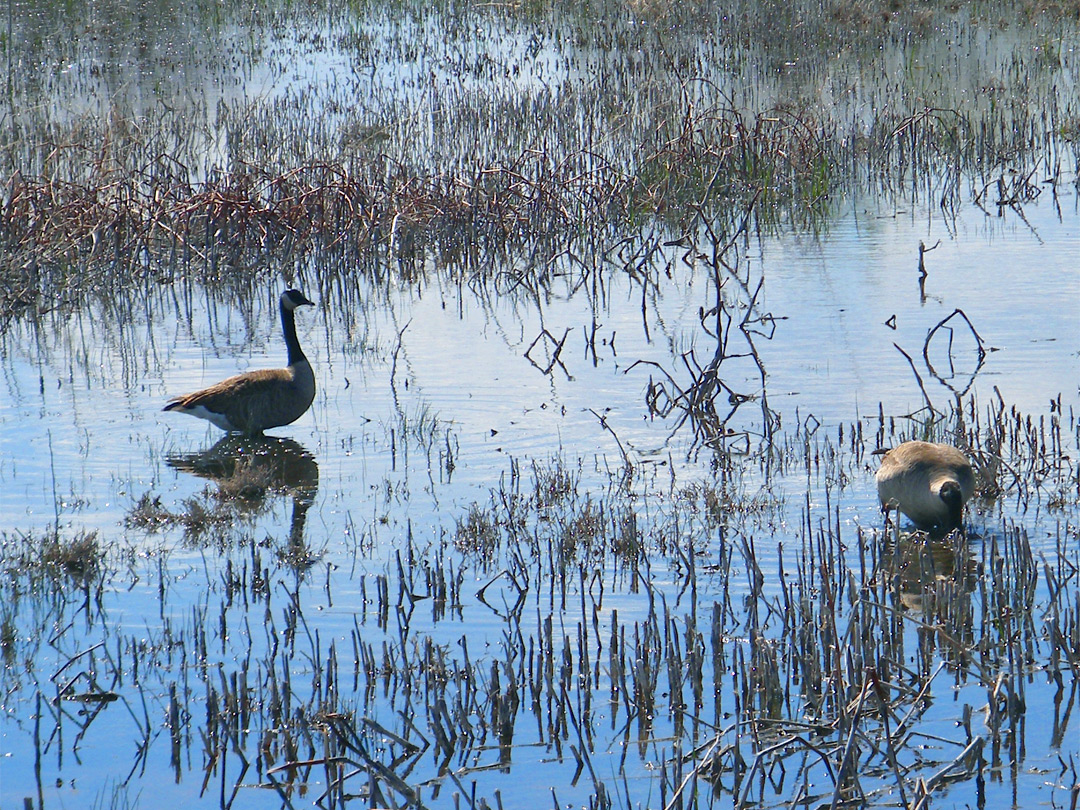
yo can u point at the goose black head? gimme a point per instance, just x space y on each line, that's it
291 299
953 496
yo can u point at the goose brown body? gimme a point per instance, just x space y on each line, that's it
258 400
930 483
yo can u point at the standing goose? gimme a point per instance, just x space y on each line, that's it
930 483
252 402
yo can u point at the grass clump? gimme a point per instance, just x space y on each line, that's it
249 483
77 557
723 502
477 534
213 509
148 514
53 554
552 484
581 530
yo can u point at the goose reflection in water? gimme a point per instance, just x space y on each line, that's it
247 469
931 574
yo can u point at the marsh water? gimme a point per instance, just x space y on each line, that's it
562 503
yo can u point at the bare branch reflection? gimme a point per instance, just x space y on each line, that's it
709 391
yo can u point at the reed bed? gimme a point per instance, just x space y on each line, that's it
485 165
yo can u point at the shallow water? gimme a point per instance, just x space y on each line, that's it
441 397
84 436
83 393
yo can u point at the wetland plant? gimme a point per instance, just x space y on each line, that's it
602 637
608 631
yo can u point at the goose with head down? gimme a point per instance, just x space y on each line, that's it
930 483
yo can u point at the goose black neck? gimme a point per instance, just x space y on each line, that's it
288 327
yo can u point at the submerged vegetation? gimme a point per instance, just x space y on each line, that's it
611 629
721 621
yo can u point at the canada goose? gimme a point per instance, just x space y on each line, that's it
252 402
930 483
